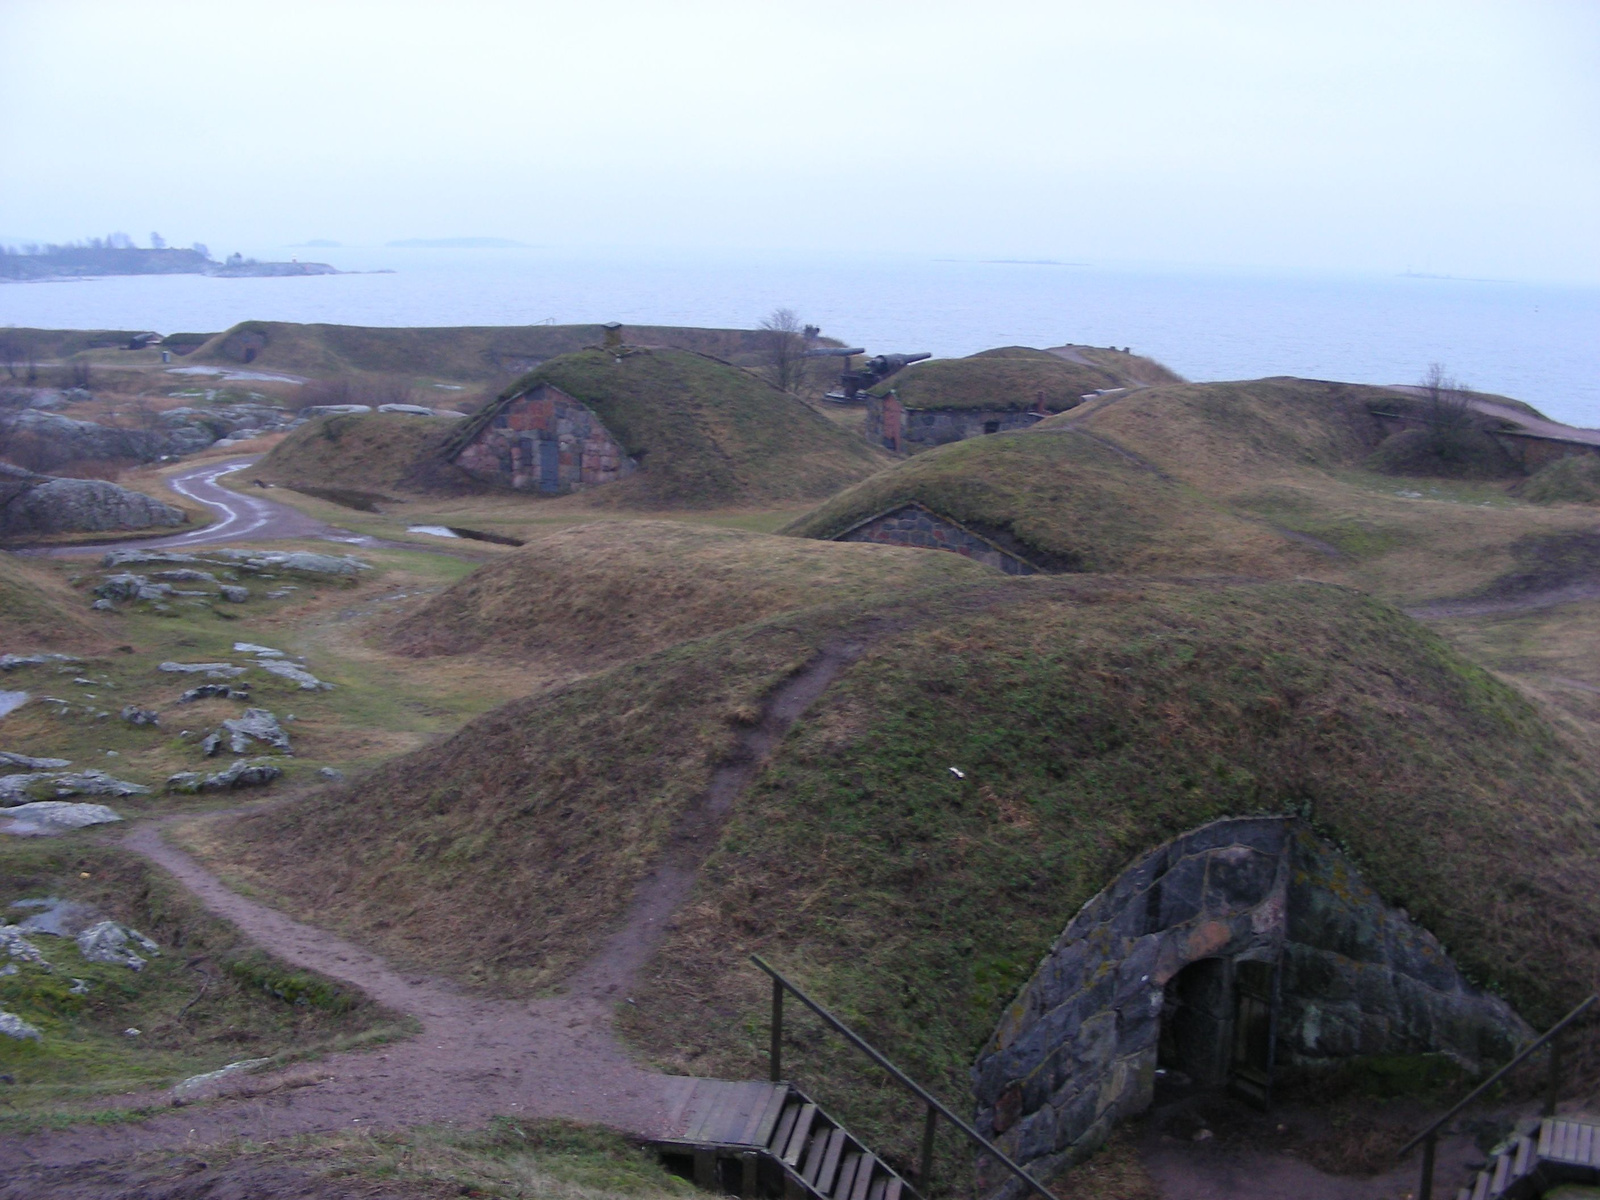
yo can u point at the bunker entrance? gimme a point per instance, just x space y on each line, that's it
1217 1028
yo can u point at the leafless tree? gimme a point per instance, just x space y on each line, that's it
10 354
1449 413
77 372
785 346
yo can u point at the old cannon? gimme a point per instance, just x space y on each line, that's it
853 385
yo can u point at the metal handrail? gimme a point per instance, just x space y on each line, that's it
935 1107
1429 1136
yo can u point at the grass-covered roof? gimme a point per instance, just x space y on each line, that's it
1010 378
705 433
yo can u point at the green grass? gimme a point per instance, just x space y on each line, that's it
1012 378
620 589
372 452
1065 501
1574 480
1093 719
707 434
544 1160
245 1004
471 354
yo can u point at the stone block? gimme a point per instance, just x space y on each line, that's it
1096 1043
1237 878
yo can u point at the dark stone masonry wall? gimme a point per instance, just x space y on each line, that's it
914 525
545 441
1077 1050
908 430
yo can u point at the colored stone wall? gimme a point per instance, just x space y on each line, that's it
1077 1051
908 430
914 525
545 441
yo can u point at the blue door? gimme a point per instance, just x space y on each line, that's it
549 466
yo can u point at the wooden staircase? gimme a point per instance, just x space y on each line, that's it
770 1140
1566 1151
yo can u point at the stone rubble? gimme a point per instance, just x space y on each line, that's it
208 690
134 715
10 662
19 947
211 670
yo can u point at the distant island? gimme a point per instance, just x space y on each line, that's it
117 255
460 243
317 244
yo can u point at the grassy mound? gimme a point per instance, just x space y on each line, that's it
1469 454
706 434
1574 480
1093 719
366 452
1066 501
1008 378
37 613
608 590
466 353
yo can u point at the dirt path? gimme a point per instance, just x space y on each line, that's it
239 518
476 1056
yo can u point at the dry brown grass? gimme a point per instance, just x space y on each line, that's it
599 593
37 612
1115 1172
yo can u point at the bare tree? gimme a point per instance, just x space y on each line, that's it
10 354
785 346
1449 413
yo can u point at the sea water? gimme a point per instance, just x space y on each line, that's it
1535 342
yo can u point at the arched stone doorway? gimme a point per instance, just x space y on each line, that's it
1238 944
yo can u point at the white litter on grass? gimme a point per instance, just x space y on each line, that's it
435 530
958 772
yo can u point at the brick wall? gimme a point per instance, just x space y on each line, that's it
545 441
914 525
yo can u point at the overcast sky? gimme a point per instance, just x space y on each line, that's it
1453 137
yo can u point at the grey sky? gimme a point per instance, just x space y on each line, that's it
1454 137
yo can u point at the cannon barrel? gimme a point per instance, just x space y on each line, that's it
888 364
835 352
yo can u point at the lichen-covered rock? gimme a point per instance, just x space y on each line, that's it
134 715
47 818
14 1026
51 505
198 1087
256 725
10 662
242 773
211 670
207 691
185 575
10 761
45 785
127 586
297 675
295 560
258 651
108 942
14 942
233 593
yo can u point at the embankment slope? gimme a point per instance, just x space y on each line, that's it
1091 718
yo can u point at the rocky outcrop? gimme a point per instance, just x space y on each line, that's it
109 942
56 785
34 505
49 817
256 725
241 774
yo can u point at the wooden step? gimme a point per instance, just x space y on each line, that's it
863 1177
1481 1190
878 1185
816 1148
823 1180
1502 1173
847 1176
761 1132
799 1135
892 1192
1524 1161
780 1135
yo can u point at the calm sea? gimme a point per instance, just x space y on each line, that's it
1534 342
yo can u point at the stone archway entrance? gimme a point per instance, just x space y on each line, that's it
1239 944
